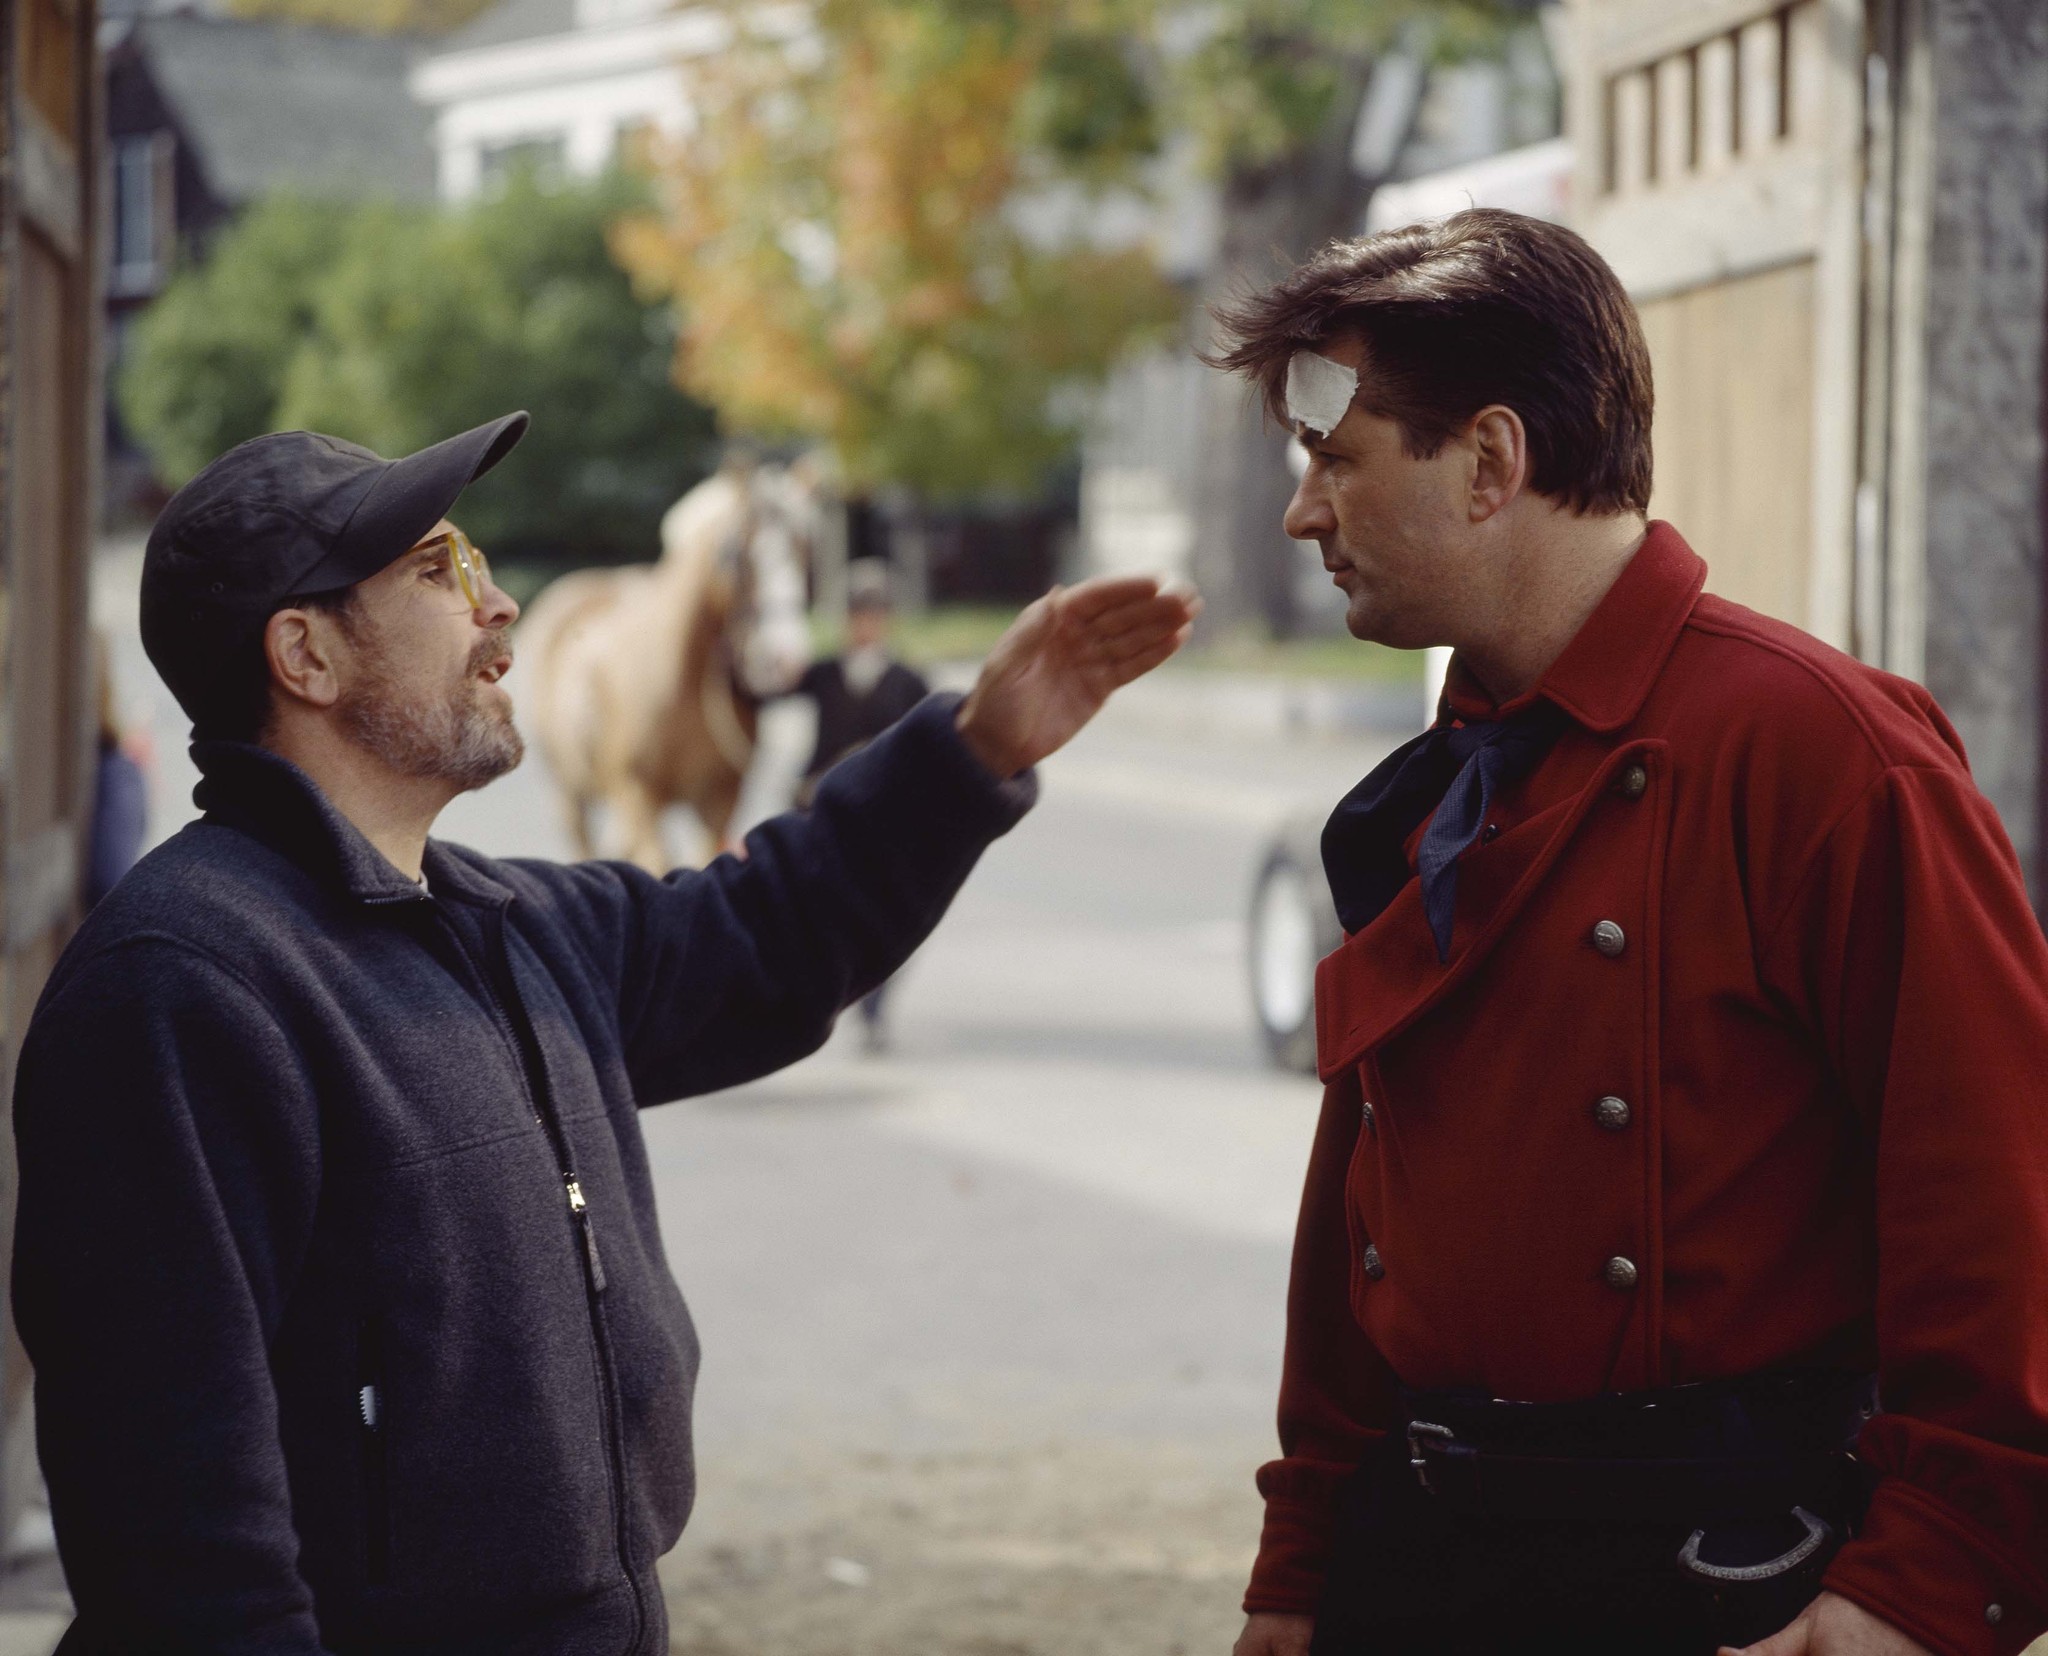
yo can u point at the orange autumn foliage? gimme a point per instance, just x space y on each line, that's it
842 234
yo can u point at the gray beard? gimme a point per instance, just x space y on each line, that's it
456 740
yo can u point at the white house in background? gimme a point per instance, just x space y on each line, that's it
557 84
1535 179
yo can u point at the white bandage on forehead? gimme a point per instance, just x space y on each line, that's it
1319 391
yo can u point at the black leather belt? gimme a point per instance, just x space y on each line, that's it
1714 1452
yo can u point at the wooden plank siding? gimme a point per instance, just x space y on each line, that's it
1717 149
1831 213
49 422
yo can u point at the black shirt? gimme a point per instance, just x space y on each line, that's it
849 719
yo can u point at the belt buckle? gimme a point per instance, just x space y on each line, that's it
1417 1431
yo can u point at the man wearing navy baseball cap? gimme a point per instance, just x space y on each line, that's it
337 1254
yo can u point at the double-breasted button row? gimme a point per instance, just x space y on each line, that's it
1369 1261
1612 1113
1608 937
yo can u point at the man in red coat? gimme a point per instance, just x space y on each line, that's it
1686 1123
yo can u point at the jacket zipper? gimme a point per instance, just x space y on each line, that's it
588 1226
376 1457
512 1018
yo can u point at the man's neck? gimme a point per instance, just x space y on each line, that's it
1563 567
393 812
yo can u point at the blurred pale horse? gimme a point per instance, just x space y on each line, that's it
645 682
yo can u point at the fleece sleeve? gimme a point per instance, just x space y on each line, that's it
168 1151
728 972
1912 950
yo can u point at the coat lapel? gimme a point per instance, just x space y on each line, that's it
1386 976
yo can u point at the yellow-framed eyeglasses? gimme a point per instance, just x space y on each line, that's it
472 568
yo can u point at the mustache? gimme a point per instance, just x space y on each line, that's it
492 649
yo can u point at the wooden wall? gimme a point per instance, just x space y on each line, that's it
1734 366
49 418
1831 215
1719 153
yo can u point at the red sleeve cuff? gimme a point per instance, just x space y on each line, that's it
1294 1547
1293 1555
1937 1580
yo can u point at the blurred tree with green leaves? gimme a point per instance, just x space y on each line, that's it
1261 81
202 368
397 326
886 228
1271 92
868 230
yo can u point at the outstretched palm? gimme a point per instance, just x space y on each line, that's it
1055 667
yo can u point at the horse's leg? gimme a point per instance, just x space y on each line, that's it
716 808
576 814
639 816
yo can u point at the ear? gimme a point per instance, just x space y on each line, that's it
301 647
1500 453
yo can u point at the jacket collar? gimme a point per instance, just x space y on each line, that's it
262 793
1604 674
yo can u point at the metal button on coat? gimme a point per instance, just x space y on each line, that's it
1994 1614
1609 938
1373 1267
1635 782
1365 1114
1612 1113
1620 1272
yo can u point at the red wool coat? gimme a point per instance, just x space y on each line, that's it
1825 1017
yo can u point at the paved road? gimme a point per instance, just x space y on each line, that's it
991 1323
996 1319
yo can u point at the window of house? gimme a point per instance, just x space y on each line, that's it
545 158
143 219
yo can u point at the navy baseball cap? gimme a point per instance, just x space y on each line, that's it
276 518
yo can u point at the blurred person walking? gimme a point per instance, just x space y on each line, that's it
337 1255
864 689
1671 1269
120 792
859 693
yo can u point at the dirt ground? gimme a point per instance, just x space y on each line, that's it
1106 1551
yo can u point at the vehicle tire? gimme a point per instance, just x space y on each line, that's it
1293 925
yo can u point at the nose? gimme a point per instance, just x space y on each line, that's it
498 608
1308 516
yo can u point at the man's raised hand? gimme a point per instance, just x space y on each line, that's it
1055 667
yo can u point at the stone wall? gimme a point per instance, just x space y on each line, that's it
1987 306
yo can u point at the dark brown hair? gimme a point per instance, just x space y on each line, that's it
1483 307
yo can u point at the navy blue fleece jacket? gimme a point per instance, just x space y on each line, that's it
337 1255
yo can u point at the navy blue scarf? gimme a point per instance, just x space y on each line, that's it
1453 770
